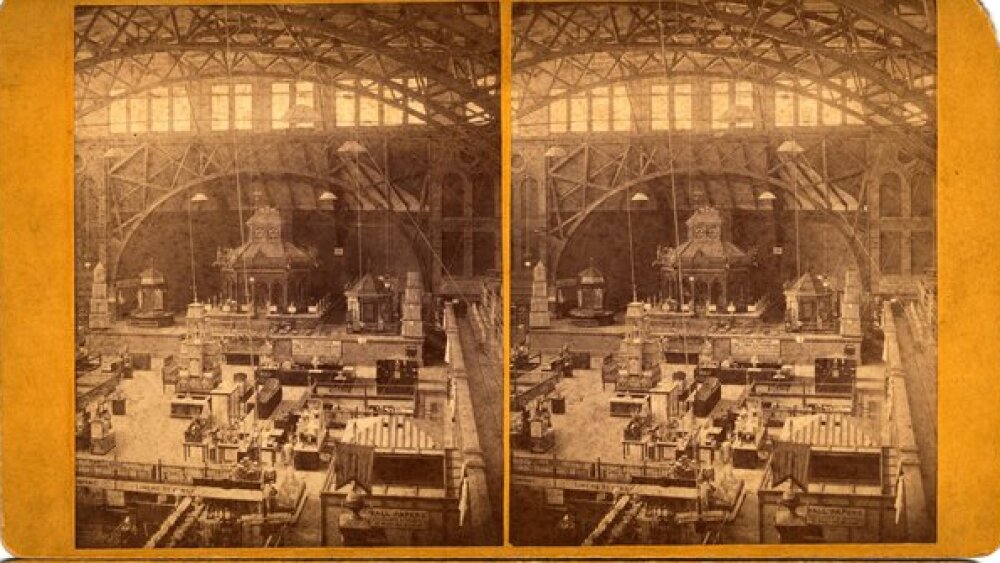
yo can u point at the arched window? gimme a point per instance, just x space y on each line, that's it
890 196
453 196
484 196
921 195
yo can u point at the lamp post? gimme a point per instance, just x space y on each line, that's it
792 149
356 149
195 201
768 198
638 197
641 198
327 199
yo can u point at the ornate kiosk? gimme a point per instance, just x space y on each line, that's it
811 304
707 268
371 306
268 271
151 311
591 289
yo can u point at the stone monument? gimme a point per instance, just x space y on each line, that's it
100 316
539 314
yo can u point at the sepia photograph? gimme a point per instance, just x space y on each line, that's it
723 273
287 276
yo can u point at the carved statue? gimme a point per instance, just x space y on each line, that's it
666 257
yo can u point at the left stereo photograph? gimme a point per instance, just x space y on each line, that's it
288 298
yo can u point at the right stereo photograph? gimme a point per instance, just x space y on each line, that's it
723 284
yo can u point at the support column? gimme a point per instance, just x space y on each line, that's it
539 316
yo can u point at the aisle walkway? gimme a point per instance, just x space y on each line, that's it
486 388
920 367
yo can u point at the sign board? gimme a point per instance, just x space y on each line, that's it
115 498
705 516
248 495
835 516
338 251
777 251
554 496
686 493
396 518
320 348
763 348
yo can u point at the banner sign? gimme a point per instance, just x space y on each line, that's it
249 495
835 516
397 519
675 492
320 348
762 348
554 496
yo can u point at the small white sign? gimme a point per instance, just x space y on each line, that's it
835 516
398 519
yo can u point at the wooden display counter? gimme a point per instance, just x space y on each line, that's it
628 405
306 457
188 407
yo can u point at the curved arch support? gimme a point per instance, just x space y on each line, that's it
118 245
837 221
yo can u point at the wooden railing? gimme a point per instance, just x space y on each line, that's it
157 472
599 471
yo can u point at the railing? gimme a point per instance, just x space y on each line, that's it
598 471
156 472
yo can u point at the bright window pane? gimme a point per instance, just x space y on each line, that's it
244 106
831 113
682 106
914 114
621 108
369 110
305 97
855 107
784 105
720 105
304 94
138 113
344 106
578 113
744 99
393 115
415 105
808 105
600 109
181 110
220 107
280 98
159 109
808 111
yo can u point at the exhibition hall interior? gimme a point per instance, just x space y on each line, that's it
296 305
288 293
722 286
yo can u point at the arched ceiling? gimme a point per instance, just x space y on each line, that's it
889 47
450 49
